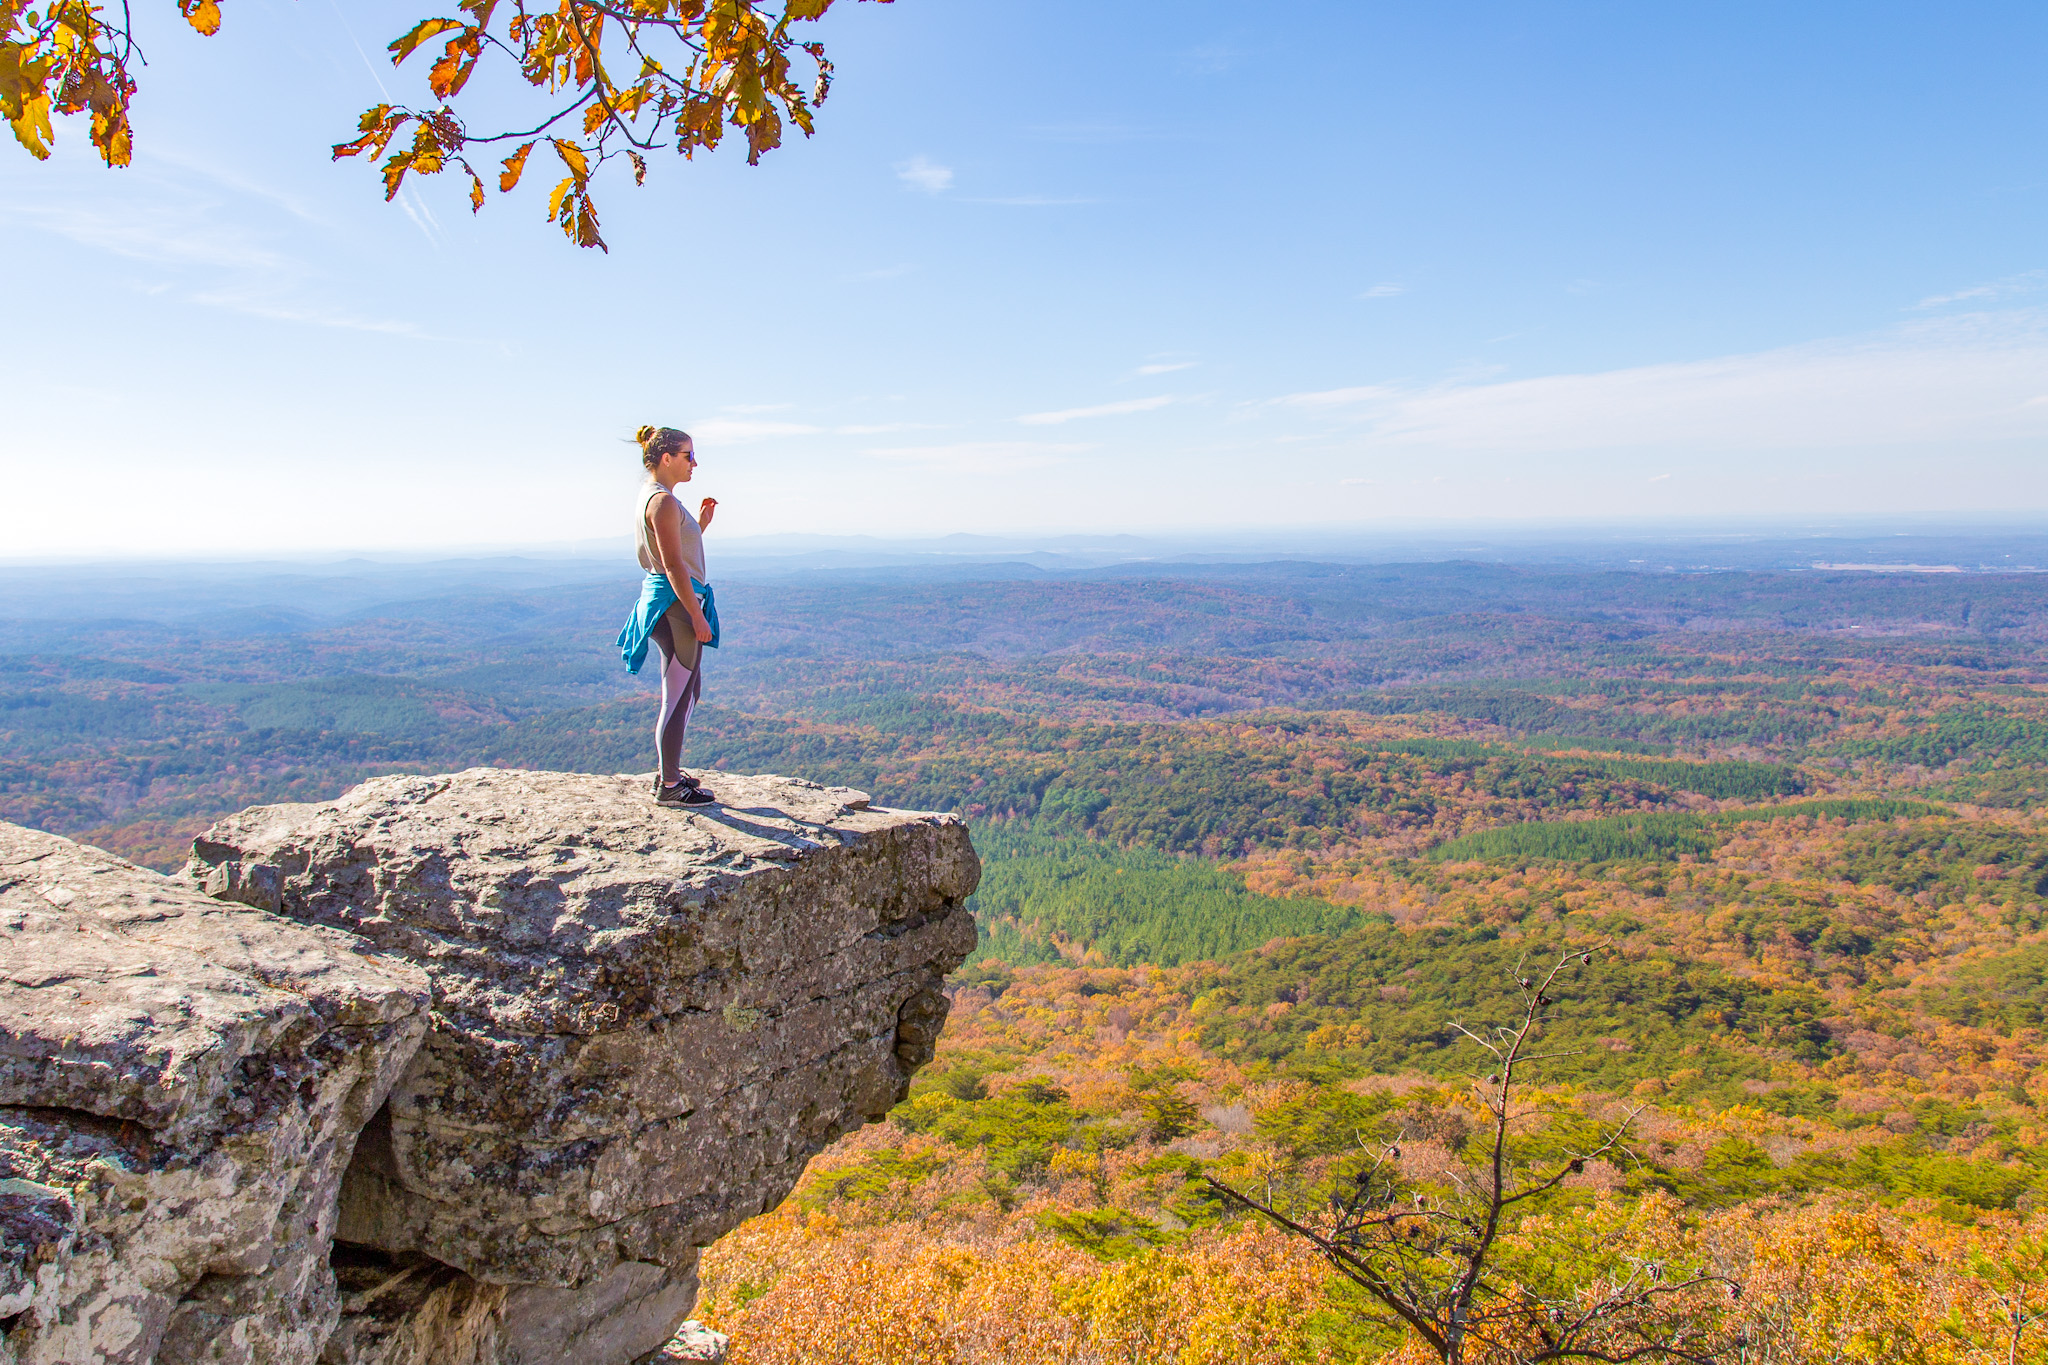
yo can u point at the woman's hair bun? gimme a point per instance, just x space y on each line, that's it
658 443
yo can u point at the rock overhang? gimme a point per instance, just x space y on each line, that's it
607 1030
646 1019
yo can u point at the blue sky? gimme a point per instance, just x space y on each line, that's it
1062 266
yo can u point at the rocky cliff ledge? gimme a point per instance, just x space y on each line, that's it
458 1070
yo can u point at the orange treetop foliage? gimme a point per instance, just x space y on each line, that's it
1032 1203
621 78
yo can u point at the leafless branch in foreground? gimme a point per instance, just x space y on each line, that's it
1432 1258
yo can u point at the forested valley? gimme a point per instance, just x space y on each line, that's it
1259 841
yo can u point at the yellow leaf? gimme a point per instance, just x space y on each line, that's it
33 129
403 47
572 157
204 16
561 192
112 135
17 80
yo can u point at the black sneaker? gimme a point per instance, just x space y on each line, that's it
684 793
684 781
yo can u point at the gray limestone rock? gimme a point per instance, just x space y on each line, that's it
182 1082
645 1020
416 1311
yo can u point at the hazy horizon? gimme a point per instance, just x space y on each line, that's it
1983 545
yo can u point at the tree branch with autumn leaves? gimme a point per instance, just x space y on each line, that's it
697 69
67 57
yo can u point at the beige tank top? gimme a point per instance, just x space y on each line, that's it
692 537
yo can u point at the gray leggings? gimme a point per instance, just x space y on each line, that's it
682 683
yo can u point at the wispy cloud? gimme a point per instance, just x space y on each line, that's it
1053 419
422 215
1337 398
1384 291
923 173
313 316
376 76
141 232
183 232
1915 385
1167 366
1977 291
737 431
239 183
2024 283
883 428
743 424
983 457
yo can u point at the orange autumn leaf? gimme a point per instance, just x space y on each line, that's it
700 67
515 166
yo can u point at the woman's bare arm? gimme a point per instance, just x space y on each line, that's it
668 537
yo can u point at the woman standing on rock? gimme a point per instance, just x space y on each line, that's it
676 612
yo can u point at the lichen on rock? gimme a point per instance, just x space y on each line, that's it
181 1086
460 1069
646 1019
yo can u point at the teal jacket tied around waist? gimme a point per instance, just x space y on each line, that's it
656 597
